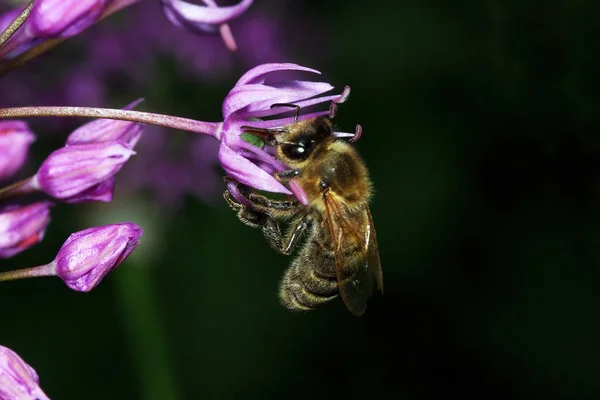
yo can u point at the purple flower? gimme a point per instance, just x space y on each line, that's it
51 19
22 226
207 18
107 130
15 138
18 381
79 172
252 98
89 255
63 18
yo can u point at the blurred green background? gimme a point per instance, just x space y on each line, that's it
481 131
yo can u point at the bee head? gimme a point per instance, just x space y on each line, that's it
302 138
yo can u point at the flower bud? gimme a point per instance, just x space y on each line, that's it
18 381
106 130
63 18
22 226
15 138
76 172
89 255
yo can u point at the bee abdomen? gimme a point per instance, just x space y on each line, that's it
304 288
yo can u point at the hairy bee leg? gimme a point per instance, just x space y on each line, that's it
282 245
247 216
270 228
272 234
287 175
294 234
270 204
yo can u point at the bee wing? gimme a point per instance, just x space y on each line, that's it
374 263
356 254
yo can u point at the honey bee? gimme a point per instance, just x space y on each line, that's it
340 253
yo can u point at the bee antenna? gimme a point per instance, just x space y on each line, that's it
297 107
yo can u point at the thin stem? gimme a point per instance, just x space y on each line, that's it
33 272
46 45
16 24
19 188
185 124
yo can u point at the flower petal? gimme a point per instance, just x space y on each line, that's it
255 74
257 97
184 13
247 173
63 18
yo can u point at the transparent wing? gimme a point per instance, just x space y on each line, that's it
356 254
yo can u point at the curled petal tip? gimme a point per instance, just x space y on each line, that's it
357 133
332 110
344 96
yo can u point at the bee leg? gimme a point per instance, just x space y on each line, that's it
275 239
266 203
256 219
287 175
294 234
248 216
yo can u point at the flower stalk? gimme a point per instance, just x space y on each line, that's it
32 272
16 24
167 121
49 43
17 189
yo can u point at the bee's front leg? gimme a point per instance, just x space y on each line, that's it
287 175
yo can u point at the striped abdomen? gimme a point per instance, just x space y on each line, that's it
311 279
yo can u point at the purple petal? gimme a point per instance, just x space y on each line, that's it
18 381
181 12
102 191
247 173
15 139
256 74
73 169
22 226
106 130
63 18
299 193
256 97
88 256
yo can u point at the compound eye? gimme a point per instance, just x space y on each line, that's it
298 152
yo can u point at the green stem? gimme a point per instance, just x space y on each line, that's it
19 188
137 299
33 272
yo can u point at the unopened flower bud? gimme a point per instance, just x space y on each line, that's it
89 255
18 381
73 173
63 18
106 130
15 139
22 226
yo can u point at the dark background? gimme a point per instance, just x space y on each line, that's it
480 129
